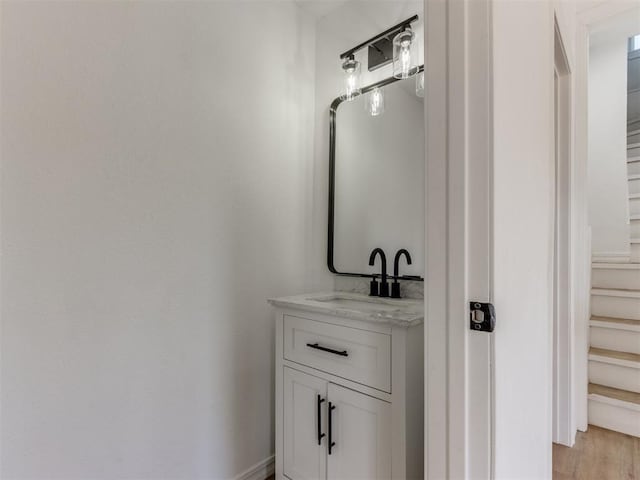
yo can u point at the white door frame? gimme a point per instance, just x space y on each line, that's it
564 429
458 378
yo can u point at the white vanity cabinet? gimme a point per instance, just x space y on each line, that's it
349 395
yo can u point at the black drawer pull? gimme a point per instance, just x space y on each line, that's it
330 350
330 442
320 434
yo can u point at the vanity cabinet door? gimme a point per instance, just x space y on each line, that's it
361 430
305 456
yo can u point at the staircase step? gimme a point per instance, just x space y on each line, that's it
633 166
634 203
616 275
634 183
615 357
620 334
615 409
635 250
614 369
615 302
633 159
621 323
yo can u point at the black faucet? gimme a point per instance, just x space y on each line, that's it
384 285
395 287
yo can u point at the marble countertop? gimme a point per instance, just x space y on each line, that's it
401 312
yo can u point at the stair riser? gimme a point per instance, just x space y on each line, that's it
617 307
633 168
615 376
635 138
635 228
635 252
614 417
615 339
634 185
634 206
615 278
633 152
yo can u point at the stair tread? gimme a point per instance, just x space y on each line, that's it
632 145
634 217
602 352
633 177
633 159
616 393
635 240
633 132
634 195
621 321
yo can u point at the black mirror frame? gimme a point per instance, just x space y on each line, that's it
333 110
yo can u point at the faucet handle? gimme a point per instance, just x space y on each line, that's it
373 287
384 289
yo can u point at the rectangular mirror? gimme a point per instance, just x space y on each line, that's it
376 180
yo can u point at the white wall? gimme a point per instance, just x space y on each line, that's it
523 189
154 175
607 167
345 27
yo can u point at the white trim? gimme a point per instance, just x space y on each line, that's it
616 266
615 292
458 382
610 257
564 428
614 402
614 326
260 471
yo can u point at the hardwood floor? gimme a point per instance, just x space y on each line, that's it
598 454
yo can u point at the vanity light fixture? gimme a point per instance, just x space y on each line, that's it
404 54
420 84
351 69
375 102
382 50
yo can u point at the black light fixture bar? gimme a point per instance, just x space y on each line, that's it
387 32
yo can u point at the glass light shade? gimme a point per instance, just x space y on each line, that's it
420 84
375 102
351 69
405 55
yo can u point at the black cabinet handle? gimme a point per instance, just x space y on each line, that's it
320 434
330 443
342 353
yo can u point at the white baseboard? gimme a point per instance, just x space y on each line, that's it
610 257
259 471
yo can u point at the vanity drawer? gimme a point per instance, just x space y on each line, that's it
357 355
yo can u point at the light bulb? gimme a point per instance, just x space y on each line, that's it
404 54
375 102
351 70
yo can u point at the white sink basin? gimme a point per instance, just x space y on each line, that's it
405 312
